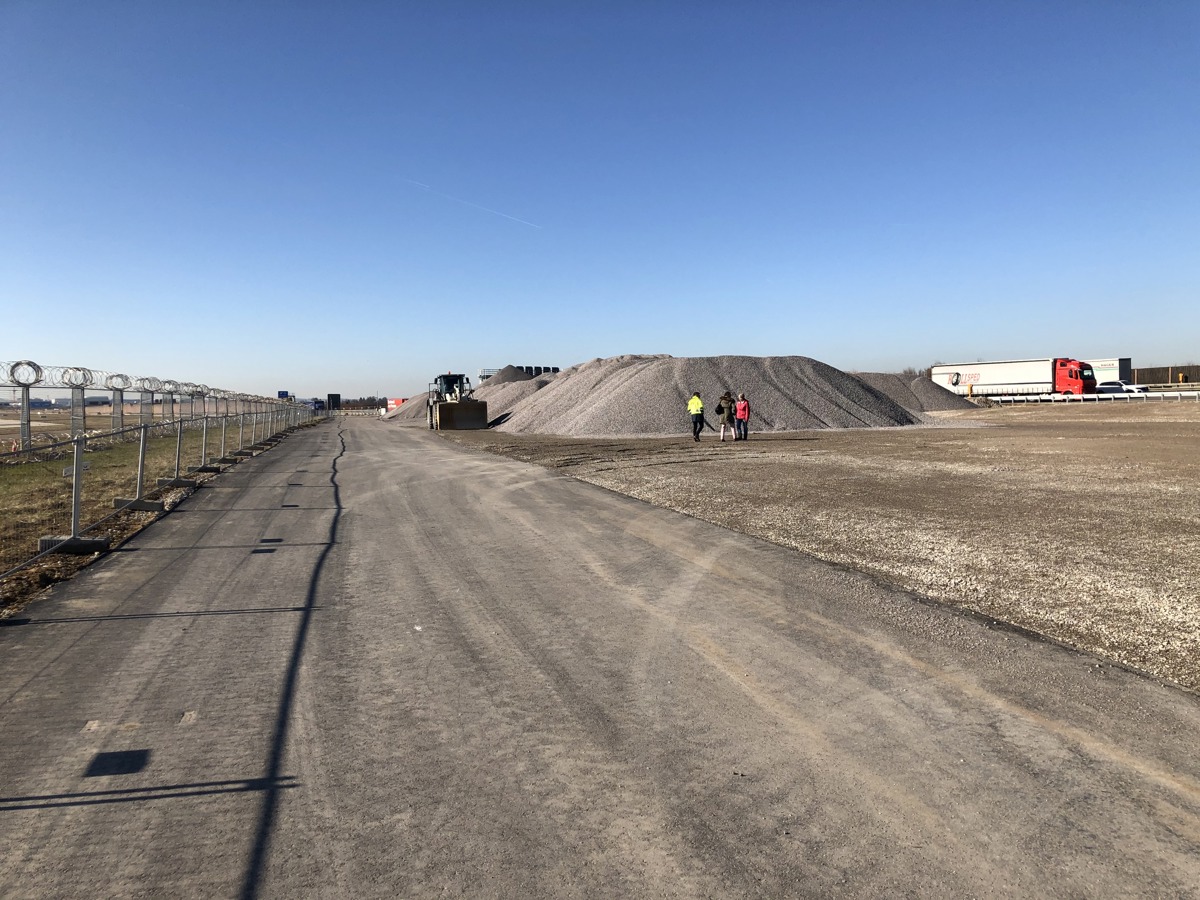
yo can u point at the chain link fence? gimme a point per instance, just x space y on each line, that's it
80 449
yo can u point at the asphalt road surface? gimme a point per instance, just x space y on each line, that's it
369 663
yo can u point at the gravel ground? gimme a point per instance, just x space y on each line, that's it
1076 522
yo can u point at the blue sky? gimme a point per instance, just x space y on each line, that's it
351 197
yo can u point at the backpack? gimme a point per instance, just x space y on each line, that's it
720 409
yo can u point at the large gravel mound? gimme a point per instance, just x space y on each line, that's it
647 395
412 408
501 398
506 375
915 394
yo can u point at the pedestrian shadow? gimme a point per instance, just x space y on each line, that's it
272 777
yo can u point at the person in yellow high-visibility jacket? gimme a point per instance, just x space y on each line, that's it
696 411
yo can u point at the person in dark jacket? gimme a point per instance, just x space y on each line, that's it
725 414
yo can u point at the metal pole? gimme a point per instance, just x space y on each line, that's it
26 429
178 445
117 419
78 412
224 420
77 484
141 475
204 442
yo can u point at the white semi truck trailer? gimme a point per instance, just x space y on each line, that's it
1057 375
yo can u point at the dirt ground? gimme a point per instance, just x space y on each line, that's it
1079 523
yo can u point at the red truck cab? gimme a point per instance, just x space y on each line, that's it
1073 377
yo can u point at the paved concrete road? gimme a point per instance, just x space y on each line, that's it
371 664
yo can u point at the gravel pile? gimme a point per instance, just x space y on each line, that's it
501 398
915 394
647 395
506 375
412 408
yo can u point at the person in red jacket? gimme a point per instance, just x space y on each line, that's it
741 418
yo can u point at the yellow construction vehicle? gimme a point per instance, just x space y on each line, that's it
451 406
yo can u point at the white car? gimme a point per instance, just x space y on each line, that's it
1120 387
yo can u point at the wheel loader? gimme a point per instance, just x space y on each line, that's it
451 406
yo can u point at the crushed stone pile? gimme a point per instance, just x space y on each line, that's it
916 394
412 408
506 375
501 398
647 395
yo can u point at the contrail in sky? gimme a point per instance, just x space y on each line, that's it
494 212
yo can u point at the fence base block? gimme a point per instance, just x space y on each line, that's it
139 505
178 482
210 468
242 454
75 545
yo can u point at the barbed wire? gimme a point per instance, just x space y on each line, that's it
26 373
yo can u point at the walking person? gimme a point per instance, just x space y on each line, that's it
741 418
695 409
725 413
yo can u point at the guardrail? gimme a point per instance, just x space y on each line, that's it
62 482
1097 398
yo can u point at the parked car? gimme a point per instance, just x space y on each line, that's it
1120 387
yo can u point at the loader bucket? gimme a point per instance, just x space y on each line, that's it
460 415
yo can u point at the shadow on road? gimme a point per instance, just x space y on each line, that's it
70 620
142 794
272 780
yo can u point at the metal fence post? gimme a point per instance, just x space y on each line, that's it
178 443
117 413
74 543
26 428
143 440
169 390
77 484
25 374
78 412
138 501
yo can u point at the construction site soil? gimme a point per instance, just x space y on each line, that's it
1079 522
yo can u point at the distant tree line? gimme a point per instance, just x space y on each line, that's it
365 403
